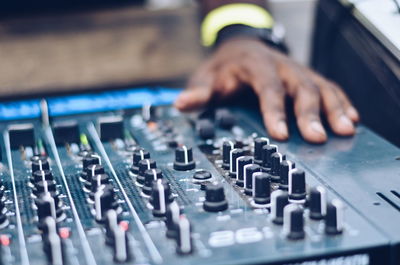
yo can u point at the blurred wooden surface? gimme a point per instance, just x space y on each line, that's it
96 49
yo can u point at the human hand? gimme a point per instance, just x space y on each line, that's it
272 75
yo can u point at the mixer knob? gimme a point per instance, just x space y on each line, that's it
234 154
225 118
150 175
249 171
90 159
116 236
267 151
279 199
3 216
317 203
104 200
138 155
39 163
205 129
161 197
215 198
297 186
184 159
293 222
45 186
97 181
334 222
202 175
241 163
144 165
53 246
276 159
184 243
258 145
261 189
227 146
41 175
93 170
47 205
286 166
172 219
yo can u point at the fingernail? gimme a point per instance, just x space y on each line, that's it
282 129
352 112
317 127
345 122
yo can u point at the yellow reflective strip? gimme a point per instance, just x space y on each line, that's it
240 13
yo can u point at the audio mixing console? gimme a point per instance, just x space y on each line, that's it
124 178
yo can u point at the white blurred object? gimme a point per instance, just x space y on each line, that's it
167 4
297 16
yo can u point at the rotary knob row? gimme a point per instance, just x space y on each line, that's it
291 216
256 173
44 190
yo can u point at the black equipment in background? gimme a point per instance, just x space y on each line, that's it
357 47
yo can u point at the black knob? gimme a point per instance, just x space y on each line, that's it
90 159
161 197
150 175
202 175
258 145
40 175
241 164
261 190
205 128
233 156
248 178
215 198
276 159
184 158
138 155
279 199
144 165
293 222
39 163
225 119
104 200
93 170
52 243
334 222
97 181
317 203
227 146
3 217
286 165
44 186
172 219
297 185
184 243
87 161
267 151
48 204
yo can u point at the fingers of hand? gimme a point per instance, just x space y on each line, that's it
265 81
307 101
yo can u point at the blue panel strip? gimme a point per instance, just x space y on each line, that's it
87 103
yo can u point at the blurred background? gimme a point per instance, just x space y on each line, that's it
55 46
69 46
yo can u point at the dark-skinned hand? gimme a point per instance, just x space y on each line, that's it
272 75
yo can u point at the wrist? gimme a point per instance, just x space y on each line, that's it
249 15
